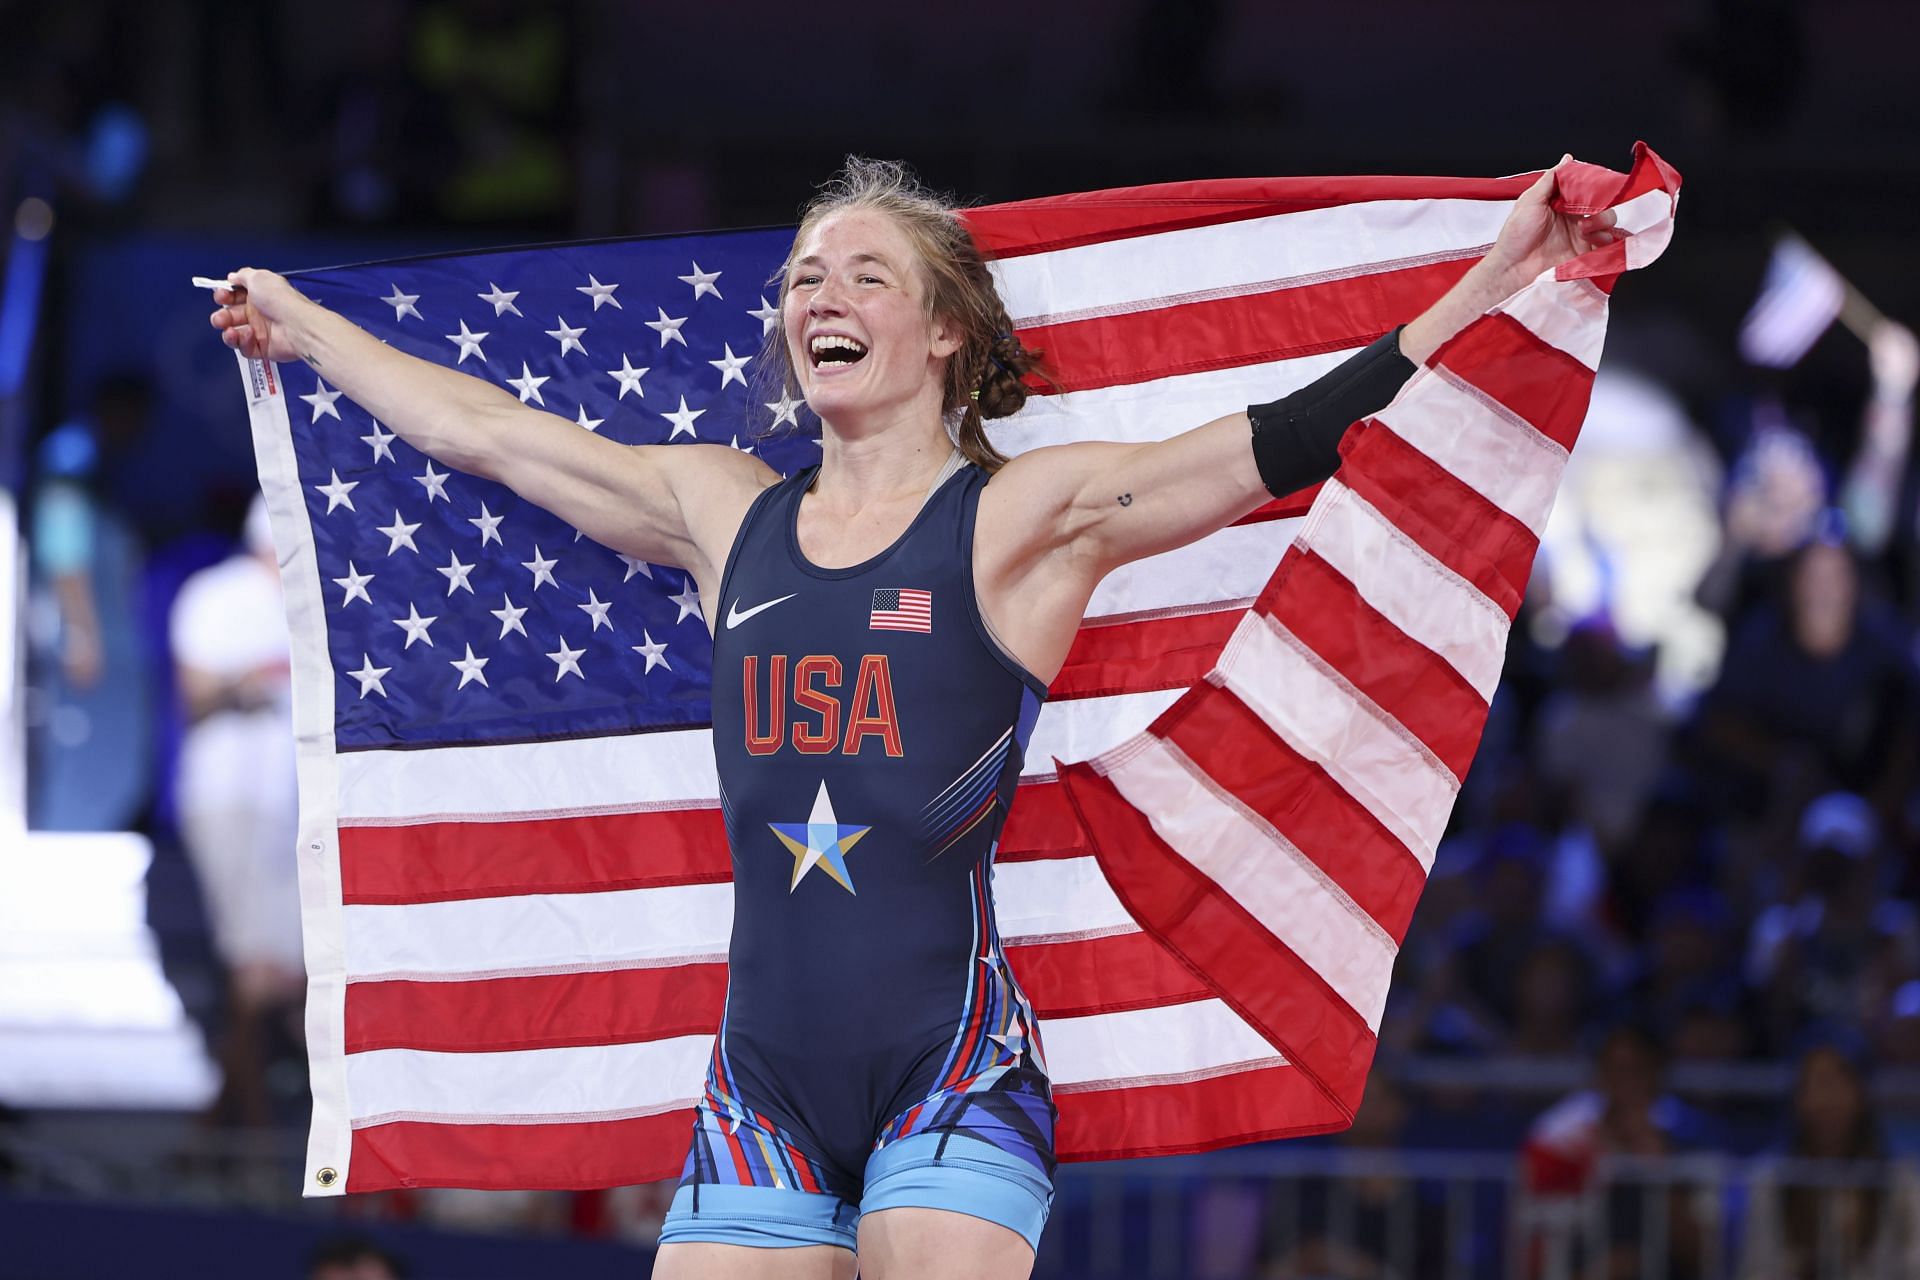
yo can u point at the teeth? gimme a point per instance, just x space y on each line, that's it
826 341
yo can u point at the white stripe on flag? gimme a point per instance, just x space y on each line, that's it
1482 443
1571 317
527 1085
1240 851
1373 757
1424 598
633 772
599 1082
611 929
1145 272
1142 1046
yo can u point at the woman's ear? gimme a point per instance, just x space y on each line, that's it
946 337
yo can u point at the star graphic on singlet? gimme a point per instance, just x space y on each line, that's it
821 841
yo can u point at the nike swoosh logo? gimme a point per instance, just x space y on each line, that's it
735 617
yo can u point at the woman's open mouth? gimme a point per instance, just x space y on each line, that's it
832 350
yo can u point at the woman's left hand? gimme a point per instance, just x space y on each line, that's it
1534 238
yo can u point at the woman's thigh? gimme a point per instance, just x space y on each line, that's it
701 1261
938 1244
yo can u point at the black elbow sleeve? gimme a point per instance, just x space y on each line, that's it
1296 439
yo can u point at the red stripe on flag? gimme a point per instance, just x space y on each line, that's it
1255 973
1446 516
1337 315
1041 824
625 1006
1143 654
1060 222
1403 677
575 1156
447 861
1539 382
1102 975
1196 1115
1234 747
545 1011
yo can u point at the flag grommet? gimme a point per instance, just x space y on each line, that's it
327 1176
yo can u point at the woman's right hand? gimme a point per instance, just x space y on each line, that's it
256 308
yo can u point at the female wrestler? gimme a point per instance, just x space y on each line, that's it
885 626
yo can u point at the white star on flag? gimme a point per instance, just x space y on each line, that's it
730 368
356 585
599 292
501 299
469 343
322 402
436 483
596 608
784 410
668 327
654 651
683 420
567 660
401 534
509 616
702 282
402 304
528 385
569 339
767 314
634 565
337 491
735 444
591 424
629 379
688 600
488 524
456 574
470 668
542 569
382 442
415 626
369 676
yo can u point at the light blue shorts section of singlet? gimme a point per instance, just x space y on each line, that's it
926 1171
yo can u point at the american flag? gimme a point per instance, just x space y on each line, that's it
1799 298
901 609
514 872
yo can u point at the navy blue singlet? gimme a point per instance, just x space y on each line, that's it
869 733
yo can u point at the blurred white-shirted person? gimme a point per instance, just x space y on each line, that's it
236 796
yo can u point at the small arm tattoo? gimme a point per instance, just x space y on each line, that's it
310 358
1126 499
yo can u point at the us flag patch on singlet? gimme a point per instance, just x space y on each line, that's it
901 609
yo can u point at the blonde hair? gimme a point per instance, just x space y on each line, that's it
983 378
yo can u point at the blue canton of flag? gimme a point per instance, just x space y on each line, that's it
457 612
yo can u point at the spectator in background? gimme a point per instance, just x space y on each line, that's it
1799 1229
1835 946
353 1258
1361 1226
1601 736
1816 690
1624 1113
237 802
91 755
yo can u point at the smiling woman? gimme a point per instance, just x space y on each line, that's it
887 624
983 377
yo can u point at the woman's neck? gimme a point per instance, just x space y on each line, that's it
880 468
